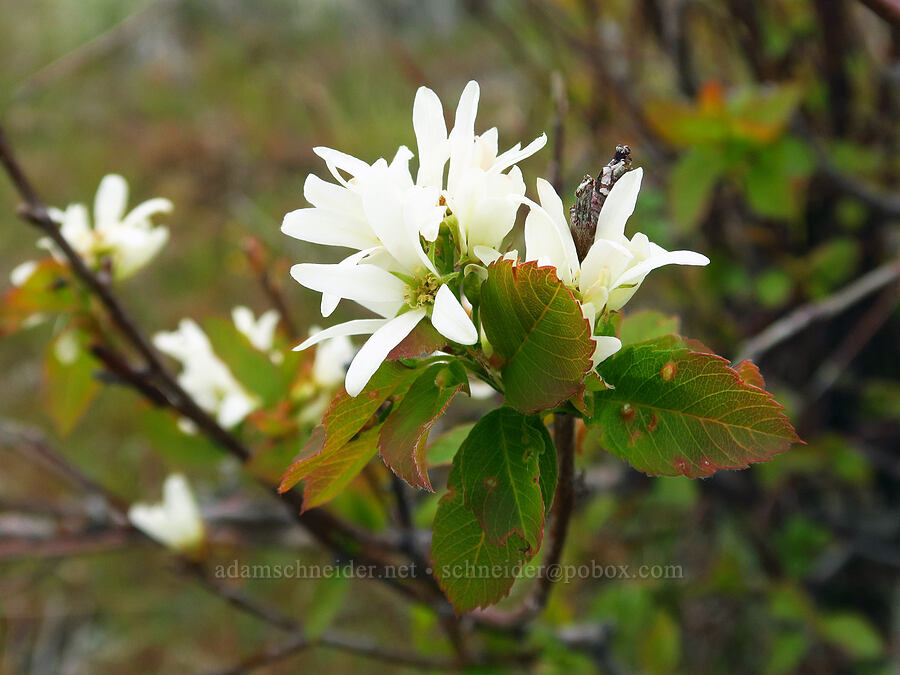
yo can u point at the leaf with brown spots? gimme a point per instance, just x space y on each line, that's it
499 475
676 411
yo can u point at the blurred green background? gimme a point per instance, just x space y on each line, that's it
768 133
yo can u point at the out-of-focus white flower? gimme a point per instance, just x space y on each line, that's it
22 273
129 240
328 372
332 358
480 195
176 521
614 267
205 377
260 332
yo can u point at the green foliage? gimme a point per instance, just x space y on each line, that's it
677 411
69 379
491 519
499 476
538 332
853 634
404 436
445 447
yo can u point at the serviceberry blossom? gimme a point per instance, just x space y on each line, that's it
614 267
260 332
176 521
127 240
328 372
391 219
204 376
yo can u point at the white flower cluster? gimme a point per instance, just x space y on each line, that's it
128 240
394 222
176 521
390 218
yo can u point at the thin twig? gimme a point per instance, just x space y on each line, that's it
256 257
558 139
804 316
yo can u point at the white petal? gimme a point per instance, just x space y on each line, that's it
110 202
605 262
450 319
431 137
332 358
547 235
235 407
140 214
639 271
321 226
486 254
331 301
606 347
366 283
515 155
357 327
619 206
462 138
22 272
340 161
179 499
375 350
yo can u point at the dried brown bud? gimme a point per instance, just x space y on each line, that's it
590 197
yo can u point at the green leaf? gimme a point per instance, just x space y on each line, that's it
326 602
646 325
174 445
404 435
546 464
251 367
69 379
852 633
499 475
677 411
348 415
470 570
691 184
537 330
445 447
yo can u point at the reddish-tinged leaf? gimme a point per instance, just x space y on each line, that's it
327 474
677 411
537 331
348 415
404 435
423 340
749 373
47 289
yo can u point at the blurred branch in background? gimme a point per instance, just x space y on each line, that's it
803 317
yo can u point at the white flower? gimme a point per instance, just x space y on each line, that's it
614 267
22 273
394 278
205 377
384 214
129 240
332 358
483 198
176 522
260 332
328 372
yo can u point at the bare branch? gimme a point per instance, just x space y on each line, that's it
804 316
